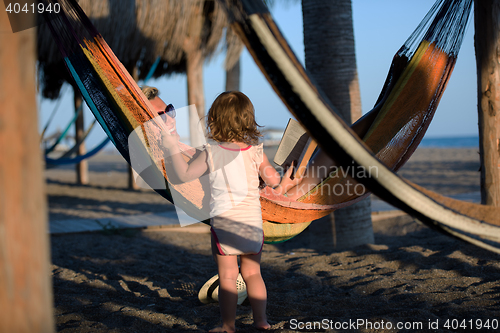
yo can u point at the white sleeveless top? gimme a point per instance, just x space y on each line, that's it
236 216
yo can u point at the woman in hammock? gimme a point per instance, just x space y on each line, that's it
166 112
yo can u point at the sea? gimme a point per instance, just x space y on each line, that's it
451 142
433 142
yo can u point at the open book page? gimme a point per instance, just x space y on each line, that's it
304 158
295 145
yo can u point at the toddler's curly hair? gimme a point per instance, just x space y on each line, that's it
231 118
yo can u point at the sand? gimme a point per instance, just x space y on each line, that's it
148 280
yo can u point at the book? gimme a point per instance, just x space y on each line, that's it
295 145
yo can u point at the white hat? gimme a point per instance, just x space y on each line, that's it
210 291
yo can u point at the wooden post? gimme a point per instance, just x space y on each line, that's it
26 303
487 44
82 168
132 184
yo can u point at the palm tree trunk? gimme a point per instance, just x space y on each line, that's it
487 44
331 60
233 50
194 73
196 97
25 285
233 77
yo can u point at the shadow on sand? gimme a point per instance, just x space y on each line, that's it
149 281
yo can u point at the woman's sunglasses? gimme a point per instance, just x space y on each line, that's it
169 111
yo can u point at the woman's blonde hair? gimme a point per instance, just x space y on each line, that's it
150 92
231 118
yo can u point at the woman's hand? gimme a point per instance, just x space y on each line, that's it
168 141
287 182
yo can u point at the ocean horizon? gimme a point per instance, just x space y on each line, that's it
466 141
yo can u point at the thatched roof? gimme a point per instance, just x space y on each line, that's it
140 31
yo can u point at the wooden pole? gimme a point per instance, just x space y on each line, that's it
487 45
82 168
132 184
26 303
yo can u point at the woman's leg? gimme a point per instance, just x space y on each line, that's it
228 270
256 288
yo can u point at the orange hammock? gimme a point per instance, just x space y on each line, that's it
399 121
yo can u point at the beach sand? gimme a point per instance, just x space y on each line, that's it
148 280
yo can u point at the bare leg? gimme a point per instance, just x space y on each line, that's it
256 289
227 267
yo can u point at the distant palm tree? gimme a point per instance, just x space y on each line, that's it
232 64
234 47
330 58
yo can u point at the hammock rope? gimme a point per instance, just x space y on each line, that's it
66 159
51 117
65 132
152 70
79 158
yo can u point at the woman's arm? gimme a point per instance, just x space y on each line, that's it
272 177
176 163
287 182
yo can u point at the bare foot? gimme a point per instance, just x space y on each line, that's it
223 329
262 326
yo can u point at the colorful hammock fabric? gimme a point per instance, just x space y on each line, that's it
394 128
110 92
470 222
65 132
391 131
64 159
67 158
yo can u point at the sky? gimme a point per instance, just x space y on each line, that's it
380 28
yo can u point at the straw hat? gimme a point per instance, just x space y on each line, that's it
210 291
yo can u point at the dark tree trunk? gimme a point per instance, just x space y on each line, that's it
331 60
233 77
